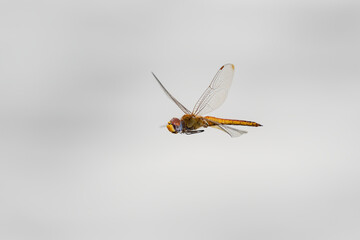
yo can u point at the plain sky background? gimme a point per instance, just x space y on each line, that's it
82 155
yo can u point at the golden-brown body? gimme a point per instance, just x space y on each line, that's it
193 122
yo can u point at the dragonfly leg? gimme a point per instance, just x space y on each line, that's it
189 132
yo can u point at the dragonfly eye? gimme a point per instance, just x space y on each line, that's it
174 125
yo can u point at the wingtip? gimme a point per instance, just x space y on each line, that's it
232 66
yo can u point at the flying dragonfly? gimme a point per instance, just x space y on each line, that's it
213 97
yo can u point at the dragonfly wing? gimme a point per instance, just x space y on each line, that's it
233 132
184 109
215 95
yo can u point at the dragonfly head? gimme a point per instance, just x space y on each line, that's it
174 125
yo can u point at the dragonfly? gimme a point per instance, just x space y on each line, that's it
213 97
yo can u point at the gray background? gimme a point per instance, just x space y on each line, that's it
82 152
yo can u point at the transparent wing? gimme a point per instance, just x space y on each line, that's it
233 132
215 95
184 109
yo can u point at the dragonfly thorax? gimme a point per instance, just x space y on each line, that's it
175 125
192 122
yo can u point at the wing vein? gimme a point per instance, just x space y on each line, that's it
216 93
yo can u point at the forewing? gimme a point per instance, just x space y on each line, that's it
184 109
215 95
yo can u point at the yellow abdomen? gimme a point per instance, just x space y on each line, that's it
214 120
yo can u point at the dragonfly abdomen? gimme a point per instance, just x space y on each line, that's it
214 120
